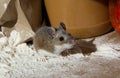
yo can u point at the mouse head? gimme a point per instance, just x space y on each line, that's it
63 39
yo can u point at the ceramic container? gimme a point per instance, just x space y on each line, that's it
83 18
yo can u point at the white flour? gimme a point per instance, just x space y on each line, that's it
21 61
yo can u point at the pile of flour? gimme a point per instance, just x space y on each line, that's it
22 61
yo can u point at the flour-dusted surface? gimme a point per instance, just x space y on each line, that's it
21 61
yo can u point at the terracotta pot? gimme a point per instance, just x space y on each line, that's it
83 18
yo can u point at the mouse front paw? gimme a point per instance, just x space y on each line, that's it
66 53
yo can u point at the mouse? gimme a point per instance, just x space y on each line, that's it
53 40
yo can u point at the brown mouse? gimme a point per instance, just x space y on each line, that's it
53 40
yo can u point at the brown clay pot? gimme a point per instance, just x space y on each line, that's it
83 18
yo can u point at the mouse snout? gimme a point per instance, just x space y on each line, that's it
72 41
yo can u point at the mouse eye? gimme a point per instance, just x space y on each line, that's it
61 38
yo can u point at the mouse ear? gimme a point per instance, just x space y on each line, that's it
51 33
62 26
